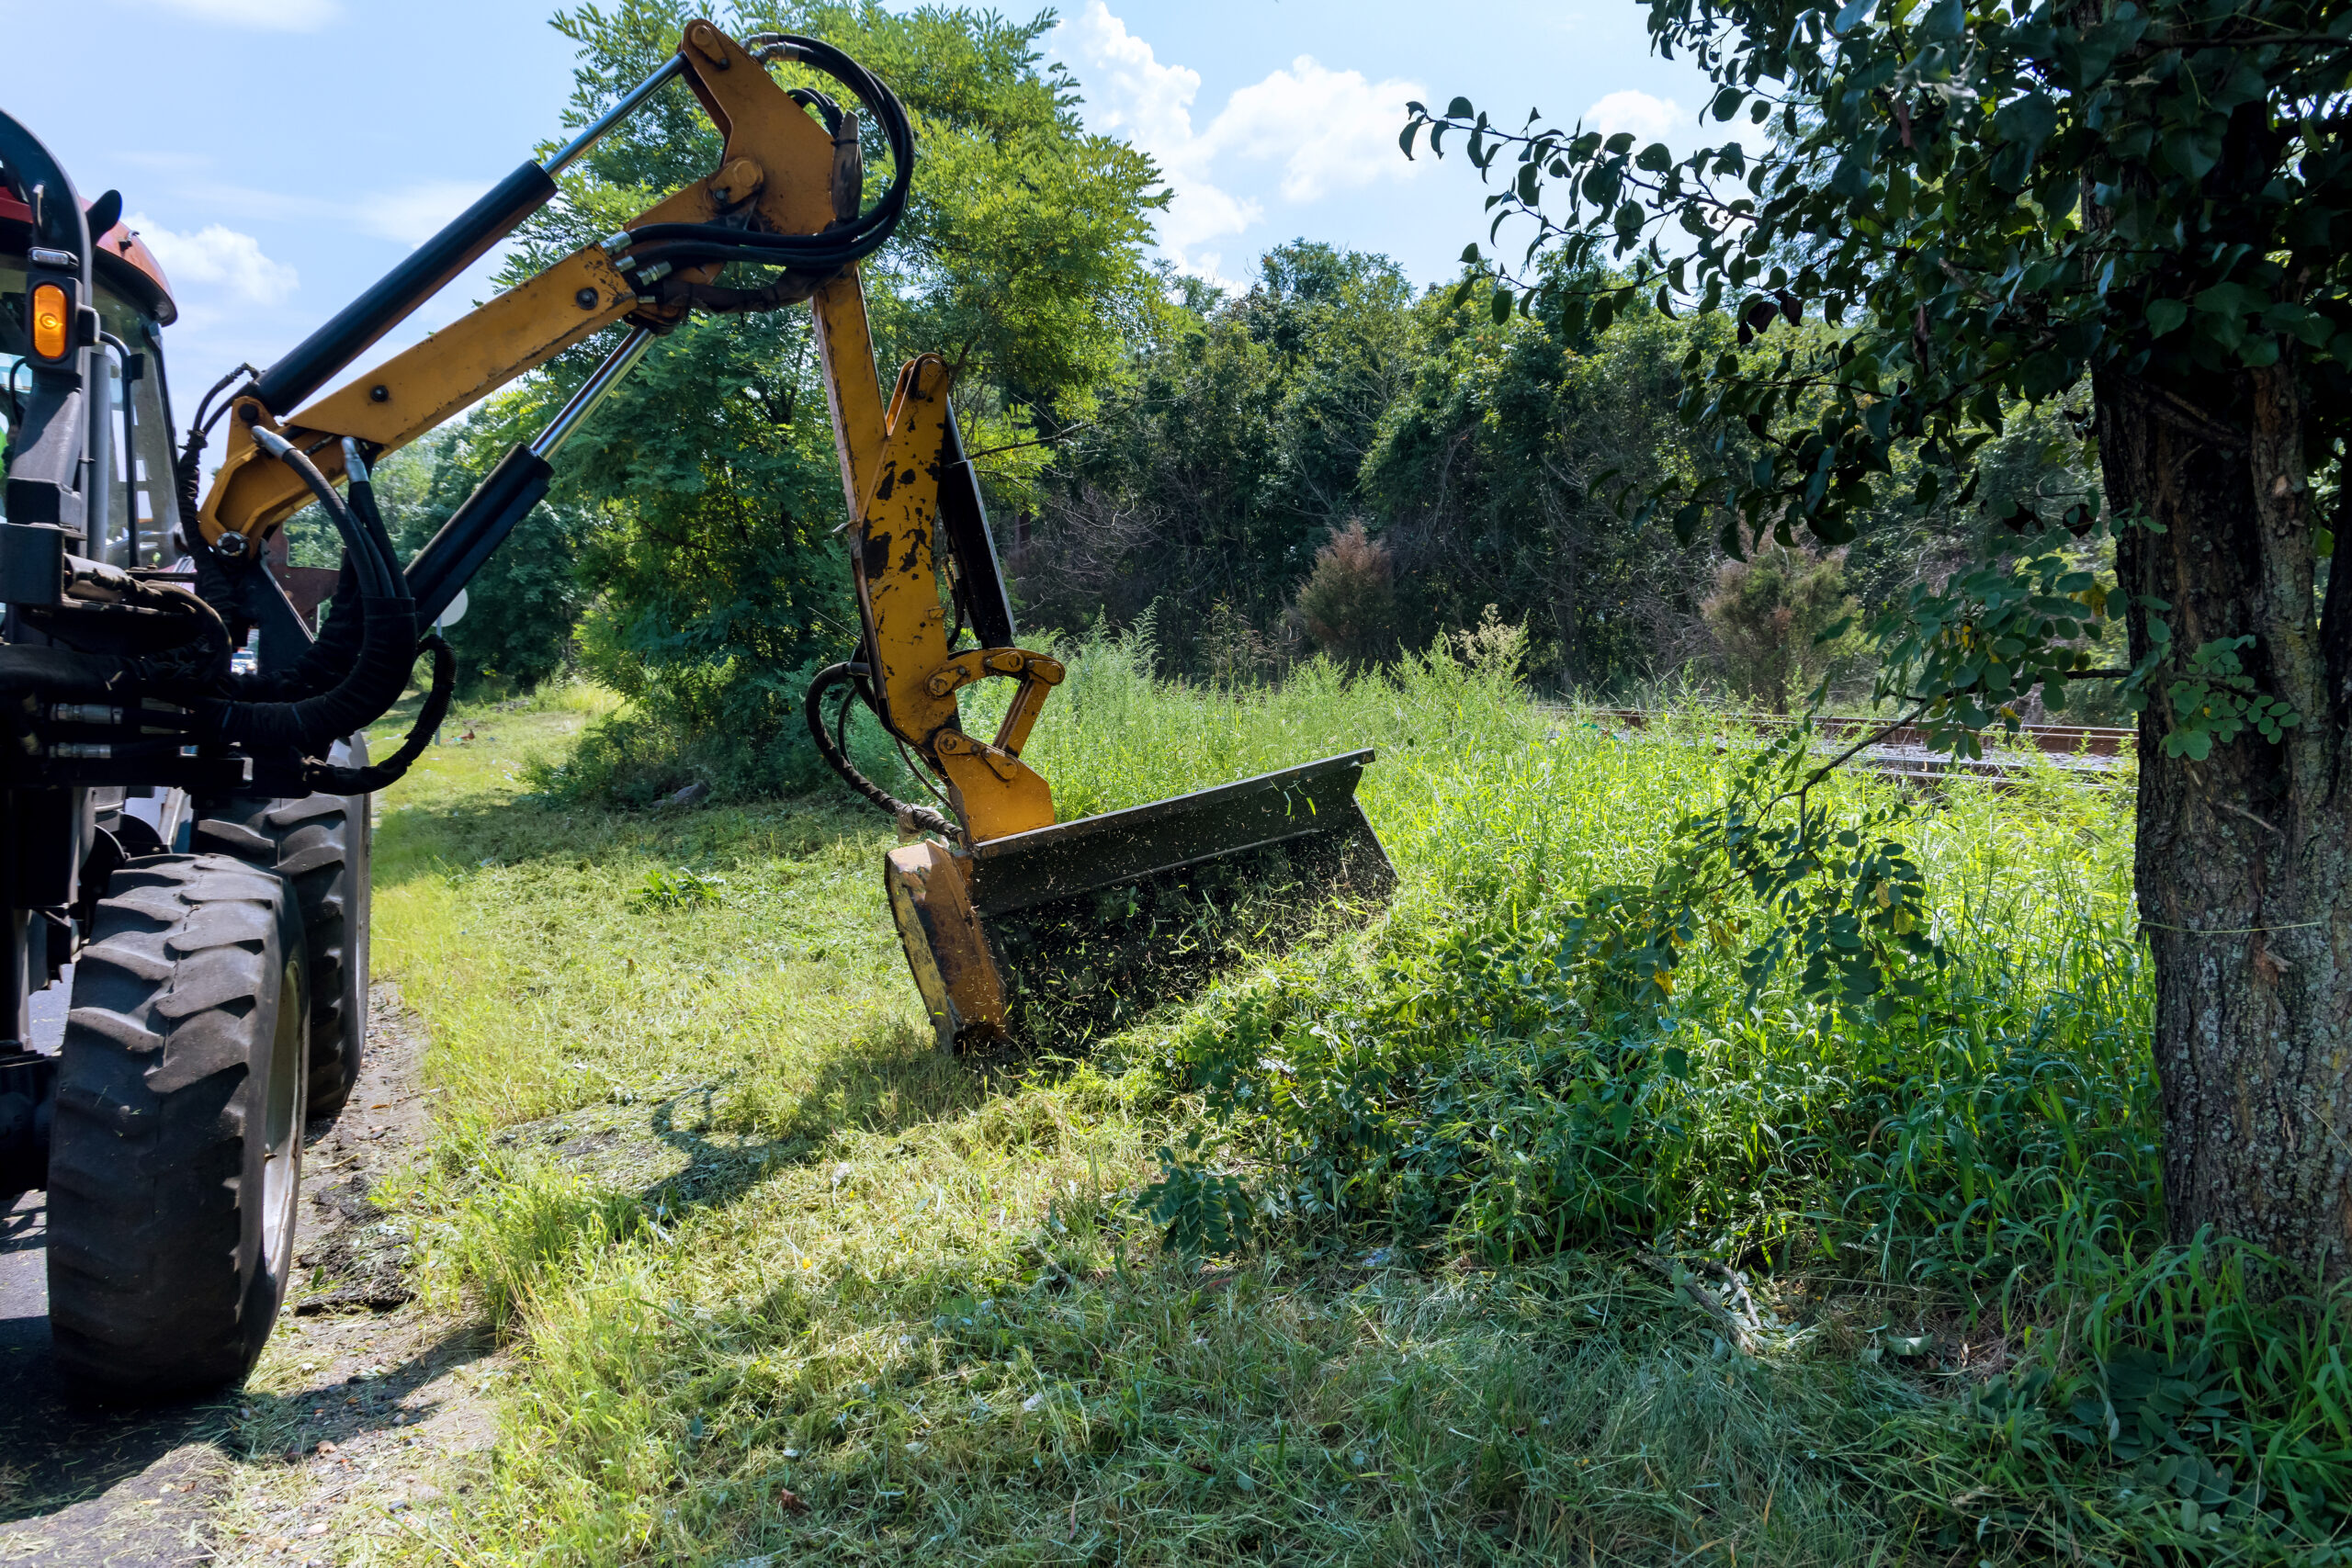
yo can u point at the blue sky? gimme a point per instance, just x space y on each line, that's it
280 155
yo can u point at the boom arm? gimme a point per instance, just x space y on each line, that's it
917 524
778 164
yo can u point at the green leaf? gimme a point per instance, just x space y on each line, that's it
2166 315
2192 154
1500 304
2225 299
1459 109
2030 120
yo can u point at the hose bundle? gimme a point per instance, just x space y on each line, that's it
832 745
820 255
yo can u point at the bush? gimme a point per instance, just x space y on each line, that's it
1770 613
1349 603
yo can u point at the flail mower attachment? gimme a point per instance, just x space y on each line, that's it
1019 927
1063 931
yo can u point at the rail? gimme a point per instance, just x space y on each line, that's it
2101 755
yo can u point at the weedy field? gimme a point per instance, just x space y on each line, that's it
1404 1246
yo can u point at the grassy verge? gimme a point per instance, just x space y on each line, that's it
1480 1269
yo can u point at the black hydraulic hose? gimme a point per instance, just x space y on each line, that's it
323 663
363 506
837 246
388 639
378 672
188 470
333 780
829 747
374 580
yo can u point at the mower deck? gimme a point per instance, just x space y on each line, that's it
1311 809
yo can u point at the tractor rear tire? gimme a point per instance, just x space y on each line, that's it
176 1145
318 843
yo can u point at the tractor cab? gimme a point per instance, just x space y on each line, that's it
131 521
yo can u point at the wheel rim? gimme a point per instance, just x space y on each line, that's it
282 1121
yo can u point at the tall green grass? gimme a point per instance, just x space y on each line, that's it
1399 1244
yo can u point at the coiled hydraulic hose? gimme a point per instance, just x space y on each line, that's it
821 254
331 779
388 633
833 747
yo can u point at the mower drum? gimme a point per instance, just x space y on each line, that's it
1057 935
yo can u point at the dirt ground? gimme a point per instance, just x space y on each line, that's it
367 1410
369 1407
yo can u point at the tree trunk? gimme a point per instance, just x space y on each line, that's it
2244 859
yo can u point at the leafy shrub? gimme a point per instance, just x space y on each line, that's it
1349 603
1771 615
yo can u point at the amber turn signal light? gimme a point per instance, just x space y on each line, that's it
50 320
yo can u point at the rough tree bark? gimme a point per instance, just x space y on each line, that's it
2244 859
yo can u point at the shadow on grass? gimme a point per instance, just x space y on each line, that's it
451 839
884 1081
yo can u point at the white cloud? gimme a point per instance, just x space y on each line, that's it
1649 119
220 257
1329 129
1332 129
259 16
1129 91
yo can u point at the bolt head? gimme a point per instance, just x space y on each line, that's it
379 393
586 298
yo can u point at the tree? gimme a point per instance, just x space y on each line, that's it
1492 475
1228 451
1996 206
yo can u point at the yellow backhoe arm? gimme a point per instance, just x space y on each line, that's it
775 154
787 194
788 170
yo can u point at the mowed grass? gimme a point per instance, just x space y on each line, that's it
788 1287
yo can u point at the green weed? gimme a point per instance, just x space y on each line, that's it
677 889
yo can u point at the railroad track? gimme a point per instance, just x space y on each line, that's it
2100 755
